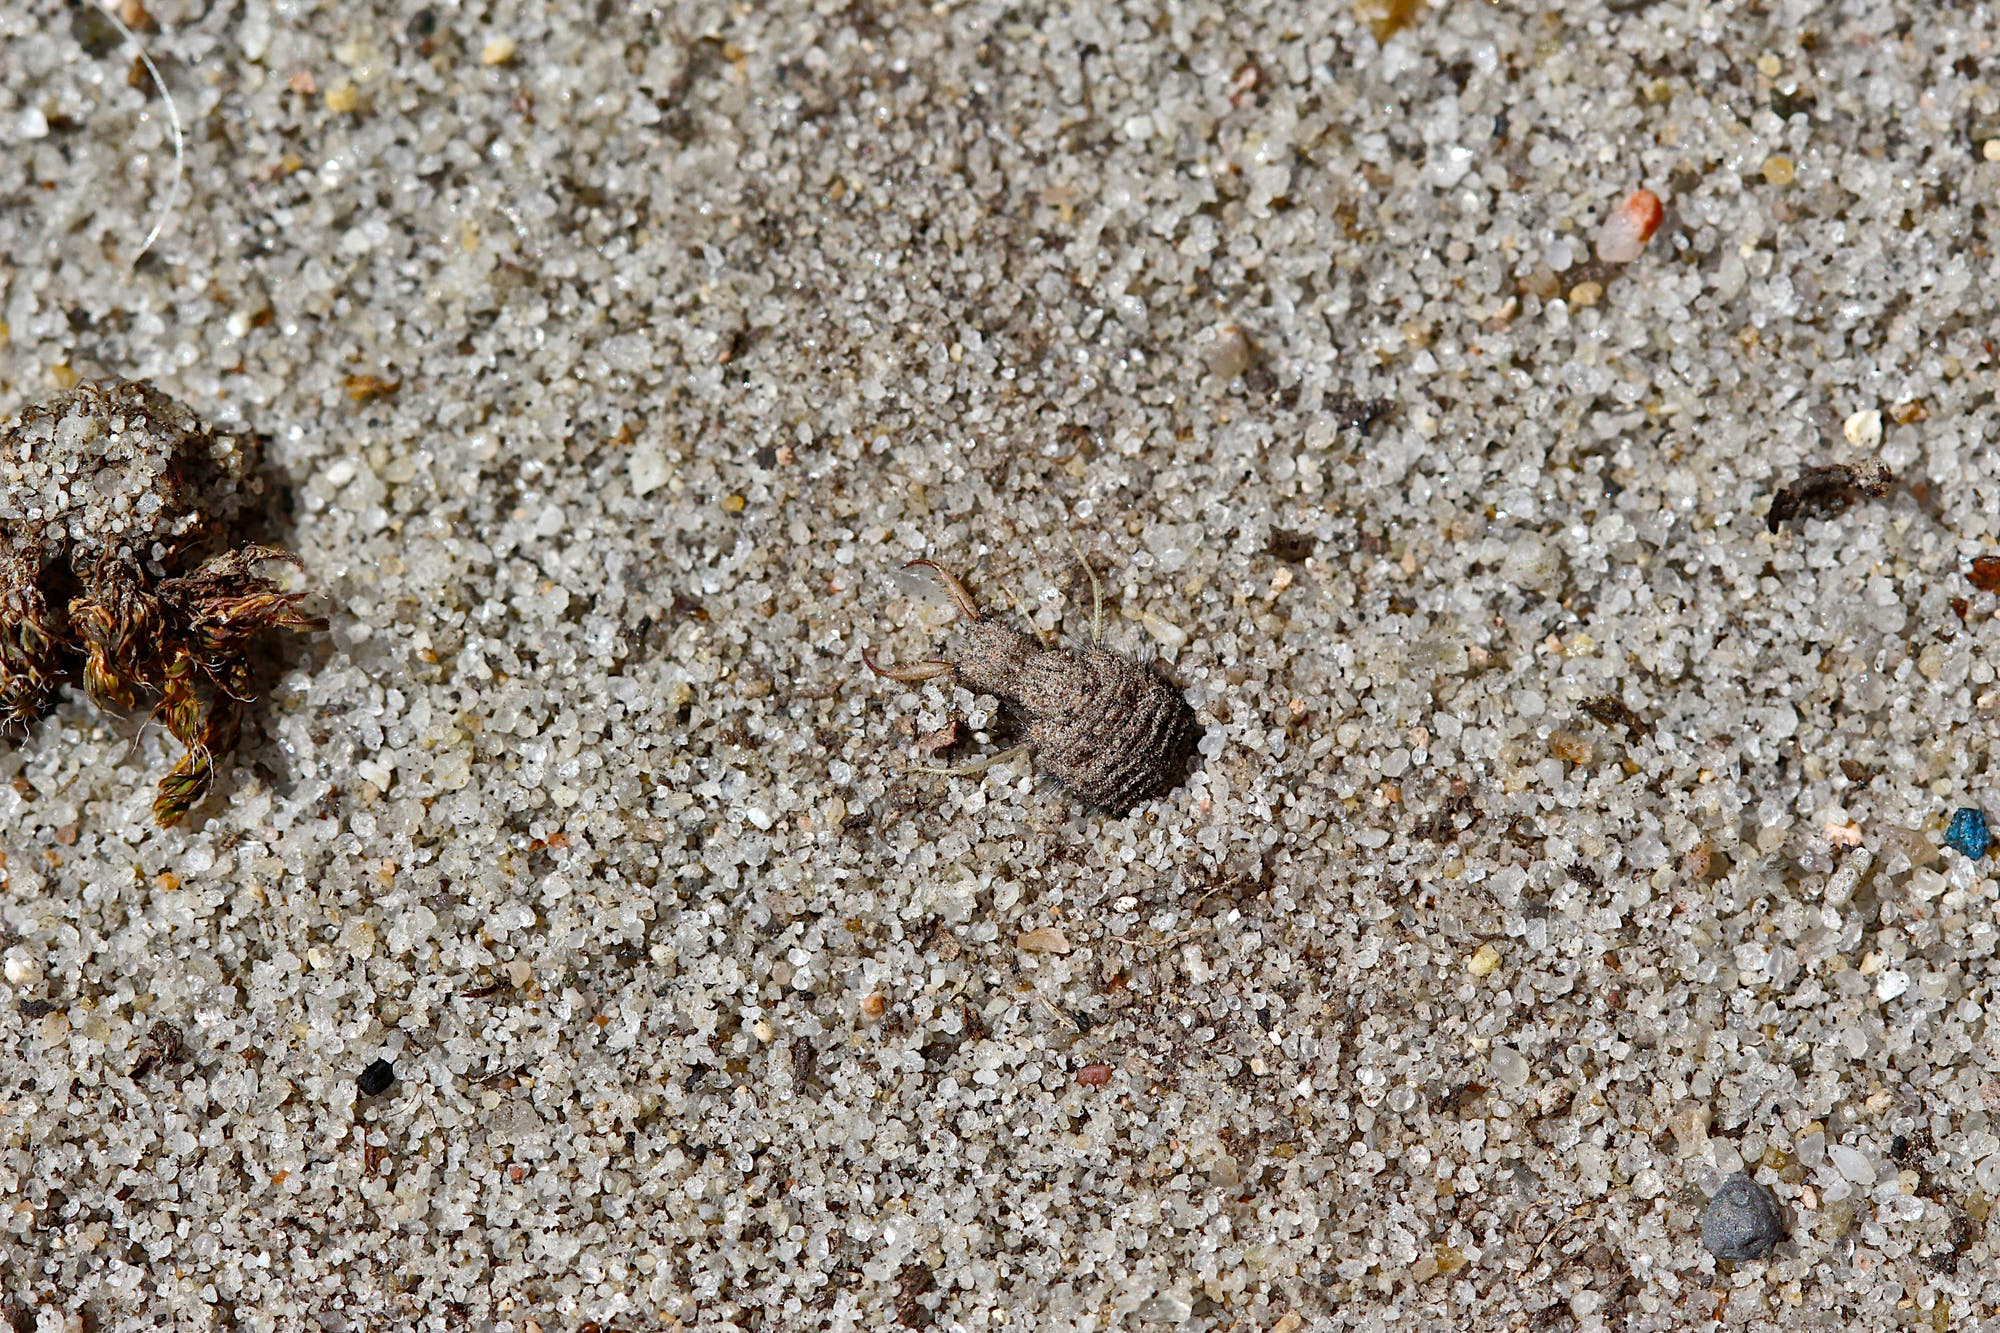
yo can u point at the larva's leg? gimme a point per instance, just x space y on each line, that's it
1096 590
977 766
968 608
910 674
950 582
1048 639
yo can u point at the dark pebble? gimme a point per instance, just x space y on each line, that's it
1743 1220
375 1079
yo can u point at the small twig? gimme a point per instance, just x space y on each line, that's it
1061 1016
1165 941
1168 941
1582 1211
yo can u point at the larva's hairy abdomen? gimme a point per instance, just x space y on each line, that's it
1123 738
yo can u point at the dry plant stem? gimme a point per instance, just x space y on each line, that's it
28 653
197 668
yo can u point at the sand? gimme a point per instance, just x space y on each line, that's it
1564 839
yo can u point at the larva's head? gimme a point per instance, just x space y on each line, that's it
990 657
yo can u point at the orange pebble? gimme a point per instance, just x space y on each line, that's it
1625 232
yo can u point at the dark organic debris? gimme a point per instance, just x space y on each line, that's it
913 1284
376 1078
1288 546
1442 824
944 738
1826 492
160 1047
1612 712
1355 413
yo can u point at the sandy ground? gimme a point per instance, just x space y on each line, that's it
1564 838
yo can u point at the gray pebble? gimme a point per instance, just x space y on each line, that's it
1743 1220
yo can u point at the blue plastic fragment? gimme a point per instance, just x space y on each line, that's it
1968 832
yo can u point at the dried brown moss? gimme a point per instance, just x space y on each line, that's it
122 565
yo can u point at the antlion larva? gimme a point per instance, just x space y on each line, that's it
1111 731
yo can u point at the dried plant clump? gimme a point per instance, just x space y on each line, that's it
120 514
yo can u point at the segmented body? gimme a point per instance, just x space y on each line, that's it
1108 729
